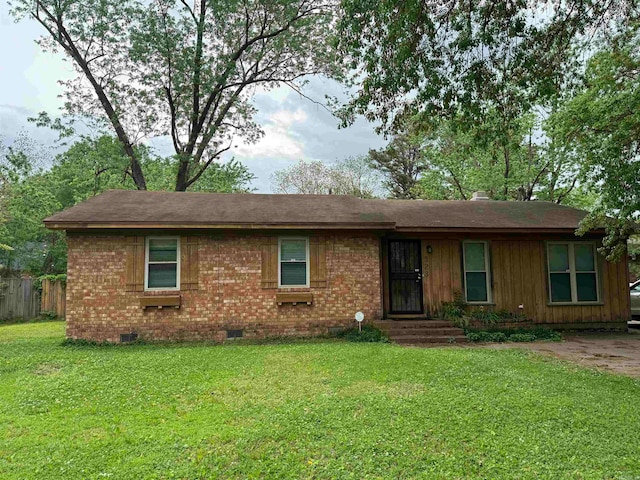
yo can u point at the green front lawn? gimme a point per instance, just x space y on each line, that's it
306 410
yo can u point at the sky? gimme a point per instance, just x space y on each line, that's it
295 128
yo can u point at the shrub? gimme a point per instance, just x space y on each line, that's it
456 312
48 315
514 335
522 337
482 336
369 334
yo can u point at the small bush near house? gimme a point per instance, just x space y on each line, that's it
459 313
514 335
368 334
522 337
497 337
48 316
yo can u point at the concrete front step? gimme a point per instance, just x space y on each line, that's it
422 339
437 331
412 324
415 332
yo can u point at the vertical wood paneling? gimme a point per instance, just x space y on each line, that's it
318 262
189 263
615 294
18 299
623 279
520 277
135 264
537 283
442 277
456 268
270 262
53 297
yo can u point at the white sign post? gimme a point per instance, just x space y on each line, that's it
359 319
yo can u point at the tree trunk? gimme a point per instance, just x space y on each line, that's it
182 178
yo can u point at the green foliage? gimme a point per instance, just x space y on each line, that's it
522 337
634 257
499 157
82 343
600 125
51 277
401 163
492 316
368 334
48 316
273 411
513 335
463 57
87 168
462 314
496 337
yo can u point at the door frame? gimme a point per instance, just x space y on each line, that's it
388 275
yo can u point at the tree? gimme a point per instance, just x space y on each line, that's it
351 176
601 126
504 162
87 168
91 166
401 163
464 58
182 69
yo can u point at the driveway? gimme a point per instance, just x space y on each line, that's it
617 353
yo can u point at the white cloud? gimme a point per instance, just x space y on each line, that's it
279 140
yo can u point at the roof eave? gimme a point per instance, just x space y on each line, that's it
56 225
445 229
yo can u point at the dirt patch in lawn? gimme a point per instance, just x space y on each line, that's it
618 353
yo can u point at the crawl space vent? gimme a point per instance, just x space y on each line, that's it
234 333
128 337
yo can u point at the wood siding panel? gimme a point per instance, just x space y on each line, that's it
135 264
442 277
520 277
318 262
189 263
269 266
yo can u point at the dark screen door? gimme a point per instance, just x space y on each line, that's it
405 276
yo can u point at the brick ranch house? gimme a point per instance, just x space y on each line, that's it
169 265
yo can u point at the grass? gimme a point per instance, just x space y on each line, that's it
307 410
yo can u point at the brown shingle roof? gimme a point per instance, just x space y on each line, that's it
137 209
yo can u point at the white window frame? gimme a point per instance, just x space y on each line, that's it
487 271
146 264
572 274
308 270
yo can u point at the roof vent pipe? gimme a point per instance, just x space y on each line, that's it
480 195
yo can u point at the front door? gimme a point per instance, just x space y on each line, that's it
405 276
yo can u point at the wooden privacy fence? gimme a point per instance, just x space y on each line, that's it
54 297
19 299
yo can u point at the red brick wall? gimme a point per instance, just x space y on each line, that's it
229 296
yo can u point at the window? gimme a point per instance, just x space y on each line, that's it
573 274
476 272
162 258
293 262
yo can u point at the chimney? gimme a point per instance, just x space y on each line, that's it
479 195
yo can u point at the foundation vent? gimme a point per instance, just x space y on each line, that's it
234 333
128 337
